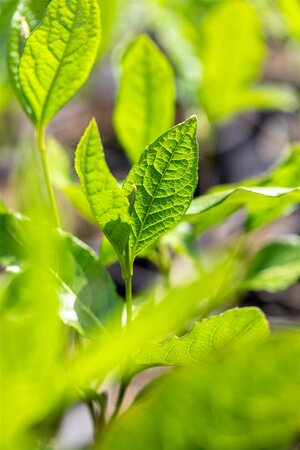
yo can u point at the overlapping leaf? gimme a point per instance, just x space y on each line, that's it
145 101
165 178
233 330
108 202
58 56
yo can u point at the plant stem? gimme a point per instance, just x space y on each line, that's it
128 297
43 153
121 395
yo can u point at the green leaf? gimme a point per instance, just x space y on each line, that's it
165 178
23 22
275 267
87 290
108 202
235 329
264 204
290 13
74 194
61 178
146 97
12 247
58 56
227 88
247 400
80 269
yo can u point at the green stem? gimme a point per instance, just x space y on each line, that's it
42 149
121 395
128 297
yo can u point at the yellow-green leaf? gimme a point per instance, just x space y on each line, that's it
145 100
108 202
165 178
58 56
233 330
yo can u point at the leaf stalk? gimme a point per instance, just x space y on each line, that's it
43 153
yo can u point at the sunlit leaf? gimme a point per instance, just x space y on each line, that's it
58 56
235 329
165 178
263 204
231 53
145 101
108 202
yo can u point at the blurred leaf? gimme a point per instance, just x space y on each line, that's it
107 254
247 400
58 56
76 265
157 320
96 299
33 364
264 204
165 178
145 101
286 173
231 53
61 177
275 266
75 195
109 15
290 11
235 329
108 202
12 245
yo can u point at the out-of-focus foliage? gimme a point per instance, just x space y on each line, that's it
77 267
242 401
276 266
264 204
33 361
224 55
233 330
145 101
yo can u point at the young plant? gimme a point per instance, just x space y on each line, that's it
154 197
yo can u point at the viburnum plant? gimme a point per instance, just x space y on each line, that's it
70 337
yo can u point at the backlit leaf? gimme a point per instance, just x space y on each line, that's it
233 330
145 101
165 178
58 56
108 202
263 204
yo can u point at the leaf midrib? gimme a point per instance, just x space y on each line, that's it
59 67
155 192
